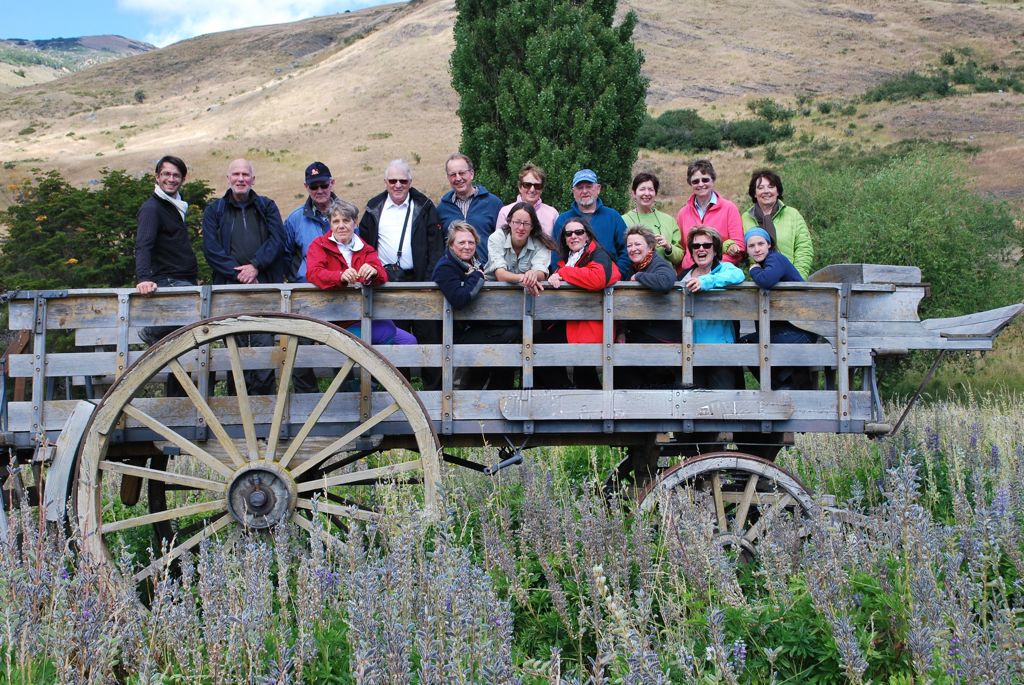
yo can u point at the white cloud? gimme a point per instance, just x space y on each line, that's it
174 21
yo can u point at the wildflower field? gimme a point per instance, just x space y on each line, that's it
536 576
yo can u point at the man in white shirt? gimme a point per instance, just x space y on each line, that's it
403 226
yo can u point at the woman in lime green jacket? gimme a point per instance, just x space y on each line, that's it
666 232
784 223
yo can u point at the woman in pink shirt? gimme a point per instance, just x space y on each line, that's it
531 185
707 208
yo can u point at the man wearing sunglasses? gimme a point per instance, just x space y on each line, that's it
402 224
309 220
607 223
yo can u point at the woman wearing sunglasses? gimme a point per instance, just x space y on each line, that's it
531 185
707 208
584 264
710 272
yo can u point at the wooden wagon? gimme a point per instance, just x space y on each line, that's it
87 419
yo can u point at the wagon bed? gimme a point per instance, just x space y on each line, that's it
87 398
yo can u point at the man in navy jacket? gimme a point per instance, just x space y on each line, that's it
468 202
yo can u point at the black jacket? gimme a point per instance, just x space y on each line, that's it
162 245
218 219
427 241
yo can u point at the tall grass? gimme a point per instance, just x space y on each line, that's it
536 577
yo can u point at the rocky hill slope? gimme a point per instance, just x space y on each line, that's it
357 89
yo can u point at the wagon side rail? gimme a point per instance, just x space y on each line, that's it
856 321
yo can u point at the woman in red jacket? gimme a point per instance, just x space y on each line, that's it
340 258
584 264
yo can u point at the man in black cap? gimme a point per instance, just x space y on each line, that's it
309 220
305 224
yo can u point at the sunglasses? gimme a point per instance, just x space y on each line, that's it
398 181
701 246
529 186
576 231
700 181
319 186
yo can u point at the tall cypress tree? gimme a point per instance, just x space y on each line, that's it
556 83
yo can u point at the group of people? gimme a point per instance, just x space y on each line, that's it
471 236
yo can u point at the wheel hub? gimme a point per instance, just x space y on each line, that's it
261 495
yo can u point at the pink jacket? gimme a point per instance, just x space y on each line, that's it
724 217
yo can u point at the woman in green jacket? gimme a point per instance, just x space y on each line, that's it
784 223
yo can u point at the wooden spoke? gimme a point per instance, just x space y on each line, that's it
351 511
716 494
744 506
176 438
291 347
158 564
244 406
767 517
345 439
380 473
203 407
177 512
317 412
164 476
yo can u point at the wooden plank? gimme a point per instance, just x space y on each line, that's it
641 404
867 273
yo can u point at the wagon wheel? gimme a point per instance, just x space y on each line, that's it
248 474
745 495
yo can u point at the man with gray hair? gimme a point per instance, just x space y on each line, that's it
402 224
468 201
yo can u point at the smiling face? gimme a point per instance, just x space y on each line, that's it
644 196
342 227
240 178
702 248
585 193
398 183
530 188
463 245
702 184
575 236
520 226
460 176
757 248
766 192
637 248
169 179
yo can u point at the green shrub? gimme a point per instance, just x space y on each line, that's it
882 210
769 110
679 129
910 86
825 107
754 132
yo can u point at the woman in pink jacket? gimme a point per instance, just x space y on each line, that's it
707 208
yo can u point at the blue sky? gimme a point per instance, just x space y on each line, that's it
159 22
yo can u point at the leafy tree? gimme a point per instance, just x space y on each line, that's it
60 236
554 83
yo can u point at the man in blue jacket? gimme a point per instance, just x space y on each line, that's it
467 201
243 240
308 221
607 223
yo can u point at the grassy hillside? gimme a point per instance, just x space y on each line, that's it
359 88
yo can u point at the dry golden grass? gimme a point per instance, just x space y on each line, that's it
355 90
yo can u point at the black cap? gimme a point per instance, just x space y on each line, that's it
317 171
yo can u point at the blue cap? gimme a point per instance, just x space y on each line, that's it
584 175
757 230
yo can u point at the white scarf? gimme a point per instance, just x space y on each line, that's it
575 256
353 245
180 204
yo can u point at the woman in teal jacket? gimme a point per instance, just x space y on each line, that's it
784 224
709 272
